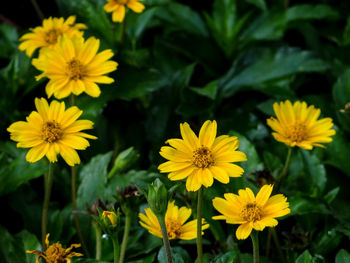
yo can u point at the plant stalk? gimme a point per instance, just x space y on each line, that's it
285 169
166 242
98 234
255 241
115 248
76 218
199 225
48 179
128 218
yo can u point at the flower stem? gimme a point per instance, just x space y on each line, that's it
255 241
76 218
166 242
199 225
98 234
285 169
128 217
115 248
277 243
37 9
47 192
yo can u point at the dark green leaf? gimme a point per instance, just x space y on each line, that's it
301 206
259 3
341 96
179 255
331 195
93 177
343 256
299 12
208 90
305 258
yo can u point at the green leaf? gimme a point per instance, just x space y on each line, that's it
14 169
181 17
178 254
270 66
326 241
331 195
143 20
341 96
227 257
305 258
93 178
308 12
315 169
253 164
302 205
208 90
258 3
8 40
343 256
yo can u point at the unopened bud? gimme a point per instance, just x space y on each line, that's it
157 197
124 161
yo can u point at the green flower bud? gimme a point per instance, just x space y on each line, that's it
124 161
109 221
157 198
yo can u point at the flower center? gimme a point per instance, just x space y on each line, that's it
75 70
51 36
55 253
173 228
297 132
121 2
251 212
202 157
51 131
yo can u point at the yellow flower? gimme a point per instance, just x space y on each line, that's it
55 253
250 211
47 34
52 130
202 159
117 7
298 125
75 67
175 219
111 216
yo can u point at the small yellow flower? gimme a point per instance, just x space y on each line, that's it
117 7
75 67
202 159
111 216
175 219
55 253
250 211
52 130
47 34
298 125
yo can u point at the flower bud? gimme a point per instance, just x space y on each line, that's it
112 217
124 161
157 197
109 221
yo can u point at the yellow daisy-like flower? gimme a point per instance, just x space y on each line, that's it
55 253
250 211
202 159
298 125
75 67
52 130
117 7
47 34
175 219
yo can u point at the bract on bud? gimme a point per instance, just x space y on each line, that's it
124 161
157 197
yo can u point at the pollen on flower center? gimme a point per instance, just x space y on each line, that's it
51 36
75 69
174 229
202 157
251 212
51 131
121 2
55 253
298 132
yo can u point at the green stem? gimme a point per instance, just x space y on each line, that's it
47 192
285 169
122 33
115 248
76 218
128 217
161 220
98 234
255 241
37 9
72 100
199 225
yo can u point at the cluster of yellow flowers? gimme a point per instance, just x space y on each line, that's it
74 65
201 159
